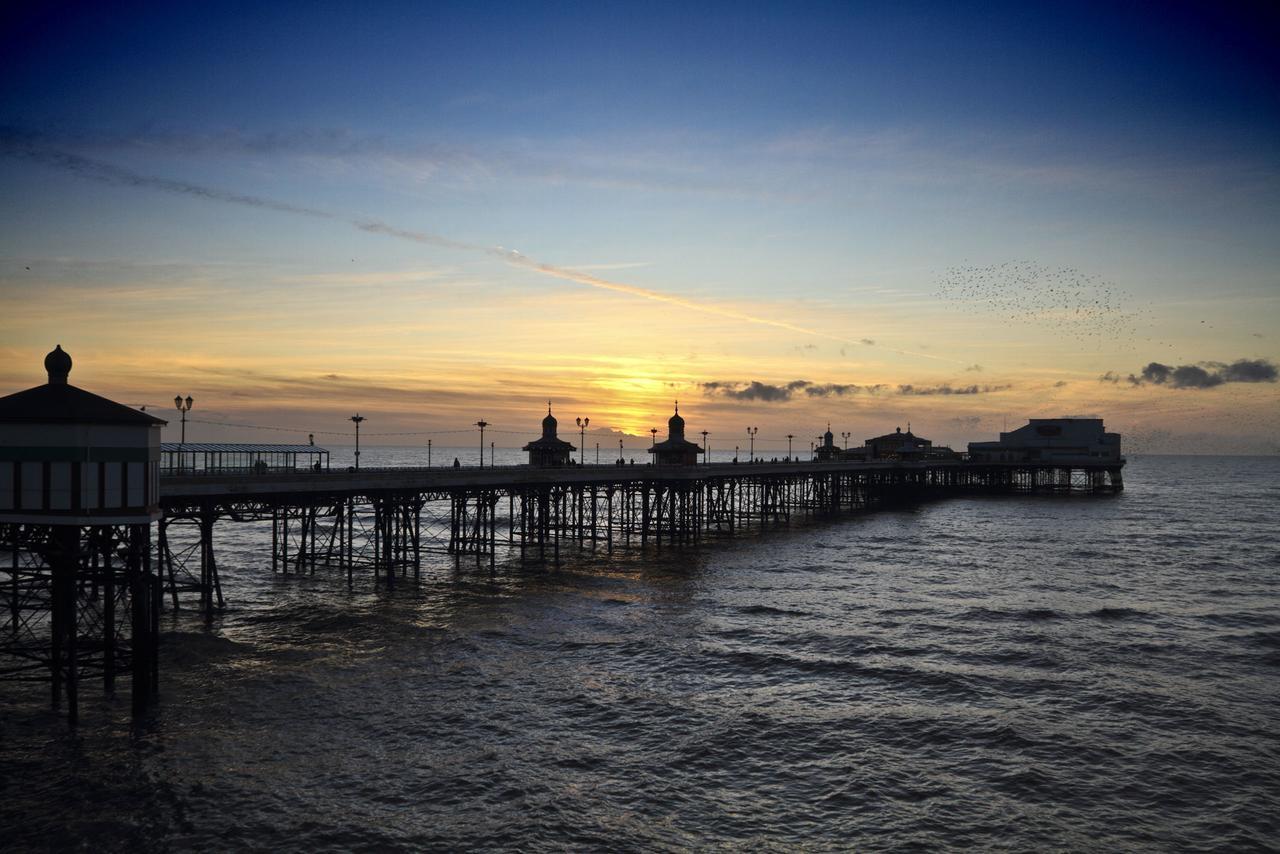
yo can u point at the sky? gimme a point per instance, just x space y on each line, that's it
785 216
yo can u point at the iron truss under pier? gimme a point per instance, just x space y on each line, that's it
84 603
380 524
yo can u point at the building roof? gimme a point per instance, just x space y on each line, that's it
238 448
549 444
66 404
58 402
675 445
898 435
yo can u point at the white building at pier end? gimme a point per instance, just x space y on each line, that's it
1051 440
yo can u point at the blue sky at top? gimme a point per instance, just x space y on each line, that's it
476 68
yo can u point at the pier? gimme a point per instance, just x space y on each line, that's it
98 536
379 527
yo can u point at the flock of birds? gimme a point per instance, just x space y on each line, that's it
1071 303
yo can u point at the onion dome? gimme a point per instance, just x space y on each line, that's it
675 424
58 364
829 436
549 424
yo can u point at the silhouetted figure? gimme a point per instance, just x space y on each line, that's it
456 464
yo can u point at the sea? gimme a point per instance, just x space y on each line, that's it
1021 673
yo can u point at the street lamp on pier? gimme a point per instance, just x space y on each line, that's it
582 438
706 448
752 431
356 419
184 406
428 453
846 436
619 452
790 436
482 424
653 431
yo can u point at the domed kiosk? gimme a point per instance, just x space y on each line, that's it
79 488
550 451
675 450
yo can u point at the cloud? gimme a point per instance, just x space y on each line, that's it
870 342
975 368
755 390
946 389
1060 384
840 389
1206 374
968 421
1109 377
1249 371
768 393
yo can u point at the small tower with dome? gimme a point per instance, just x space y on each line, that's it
675 450
827 450
550 451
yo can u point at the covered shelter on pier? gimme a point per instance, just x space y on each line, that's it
79 489
827 450
675 450
898 446
237 458
550 451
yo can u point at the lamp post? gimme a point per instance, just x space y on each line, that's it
184 406
582 438
597 453
491 444
735 453
706 449
790 436
751 431
653 431
619 452
482 425
846 436
428 453
356 419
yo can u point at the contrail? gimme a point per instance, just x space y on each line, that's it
108 173
568 274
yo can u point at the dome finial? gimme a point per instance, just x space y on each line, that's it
548 407
58 364
677 407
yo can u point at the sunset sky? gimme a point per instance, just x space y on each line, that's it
782 216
